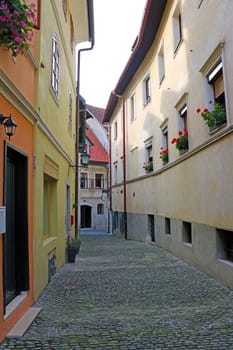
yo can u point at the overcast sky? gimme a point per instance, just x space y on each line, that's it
117 23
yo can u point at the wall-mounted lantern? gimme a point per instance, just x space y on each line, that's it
9 125
84 159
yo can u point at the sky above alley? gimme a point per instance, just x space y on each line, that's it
117 23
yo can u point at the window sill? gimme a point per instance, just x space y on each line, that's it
214 129
12 306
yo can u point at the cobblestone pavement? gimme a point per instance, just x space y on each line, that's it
129 295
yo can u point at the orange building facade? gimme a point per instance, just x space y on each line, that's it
17 97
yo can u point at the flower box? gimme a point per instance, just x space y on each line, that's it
182 141
213 119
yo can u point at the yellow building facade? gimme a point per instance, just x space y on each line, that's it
64 24
171 132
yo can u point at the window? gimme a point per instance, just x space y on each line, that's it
70 113
115 130
177 28
132 108
167 226
216 89
50 200
164 148
146 91
225 245
165 137
71 35
149 155
83 180
161 66
115 174
99 180
187 232
148 165
55 69
183 124
64 6
100 209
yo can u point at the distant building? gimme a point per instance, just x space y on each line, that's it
94 209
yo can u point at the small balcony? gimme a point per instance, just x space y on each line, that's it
93 184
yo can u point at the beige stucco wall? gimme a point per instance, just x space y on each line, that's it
195 187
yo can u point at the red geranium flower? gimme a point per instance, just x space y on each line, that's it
198 110
180 133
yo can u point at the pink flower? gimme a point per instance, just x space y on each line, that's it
18 39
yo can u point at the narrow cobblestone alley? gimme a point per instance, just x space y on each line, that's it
129 295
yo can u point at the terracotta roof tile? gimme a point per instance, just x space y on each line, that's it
97 152
97 112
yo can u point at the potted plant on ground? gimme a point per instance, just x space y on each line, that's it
215 118
182 141
164 155
72 248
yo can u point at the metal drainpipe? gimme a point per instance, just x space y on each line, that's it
124 171
77 207
124 163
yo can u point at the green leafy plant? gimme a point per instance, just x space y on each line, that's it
164 154
73 243
148 166
182 141
17 20
216 117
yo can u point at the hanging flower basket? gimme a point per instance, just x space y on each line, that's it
17 20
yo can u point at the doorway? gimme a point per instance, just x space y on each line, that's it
86 212
15 240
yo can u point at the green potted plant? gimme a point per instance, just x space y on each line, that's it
215 118
17 20
164 155
72 248
182 141
148 166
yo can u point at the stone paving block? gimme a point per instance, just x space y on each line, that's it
129 295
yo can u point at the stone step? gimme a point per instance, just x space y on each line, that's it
24 323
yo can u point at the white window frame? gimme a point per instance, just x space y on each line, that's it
209 70
84 177
177 28
115 173
55 66
115 130
100 209
146 90
161 65
99 177
132 107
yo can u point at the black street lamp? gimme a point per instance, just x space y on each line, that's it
9 125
